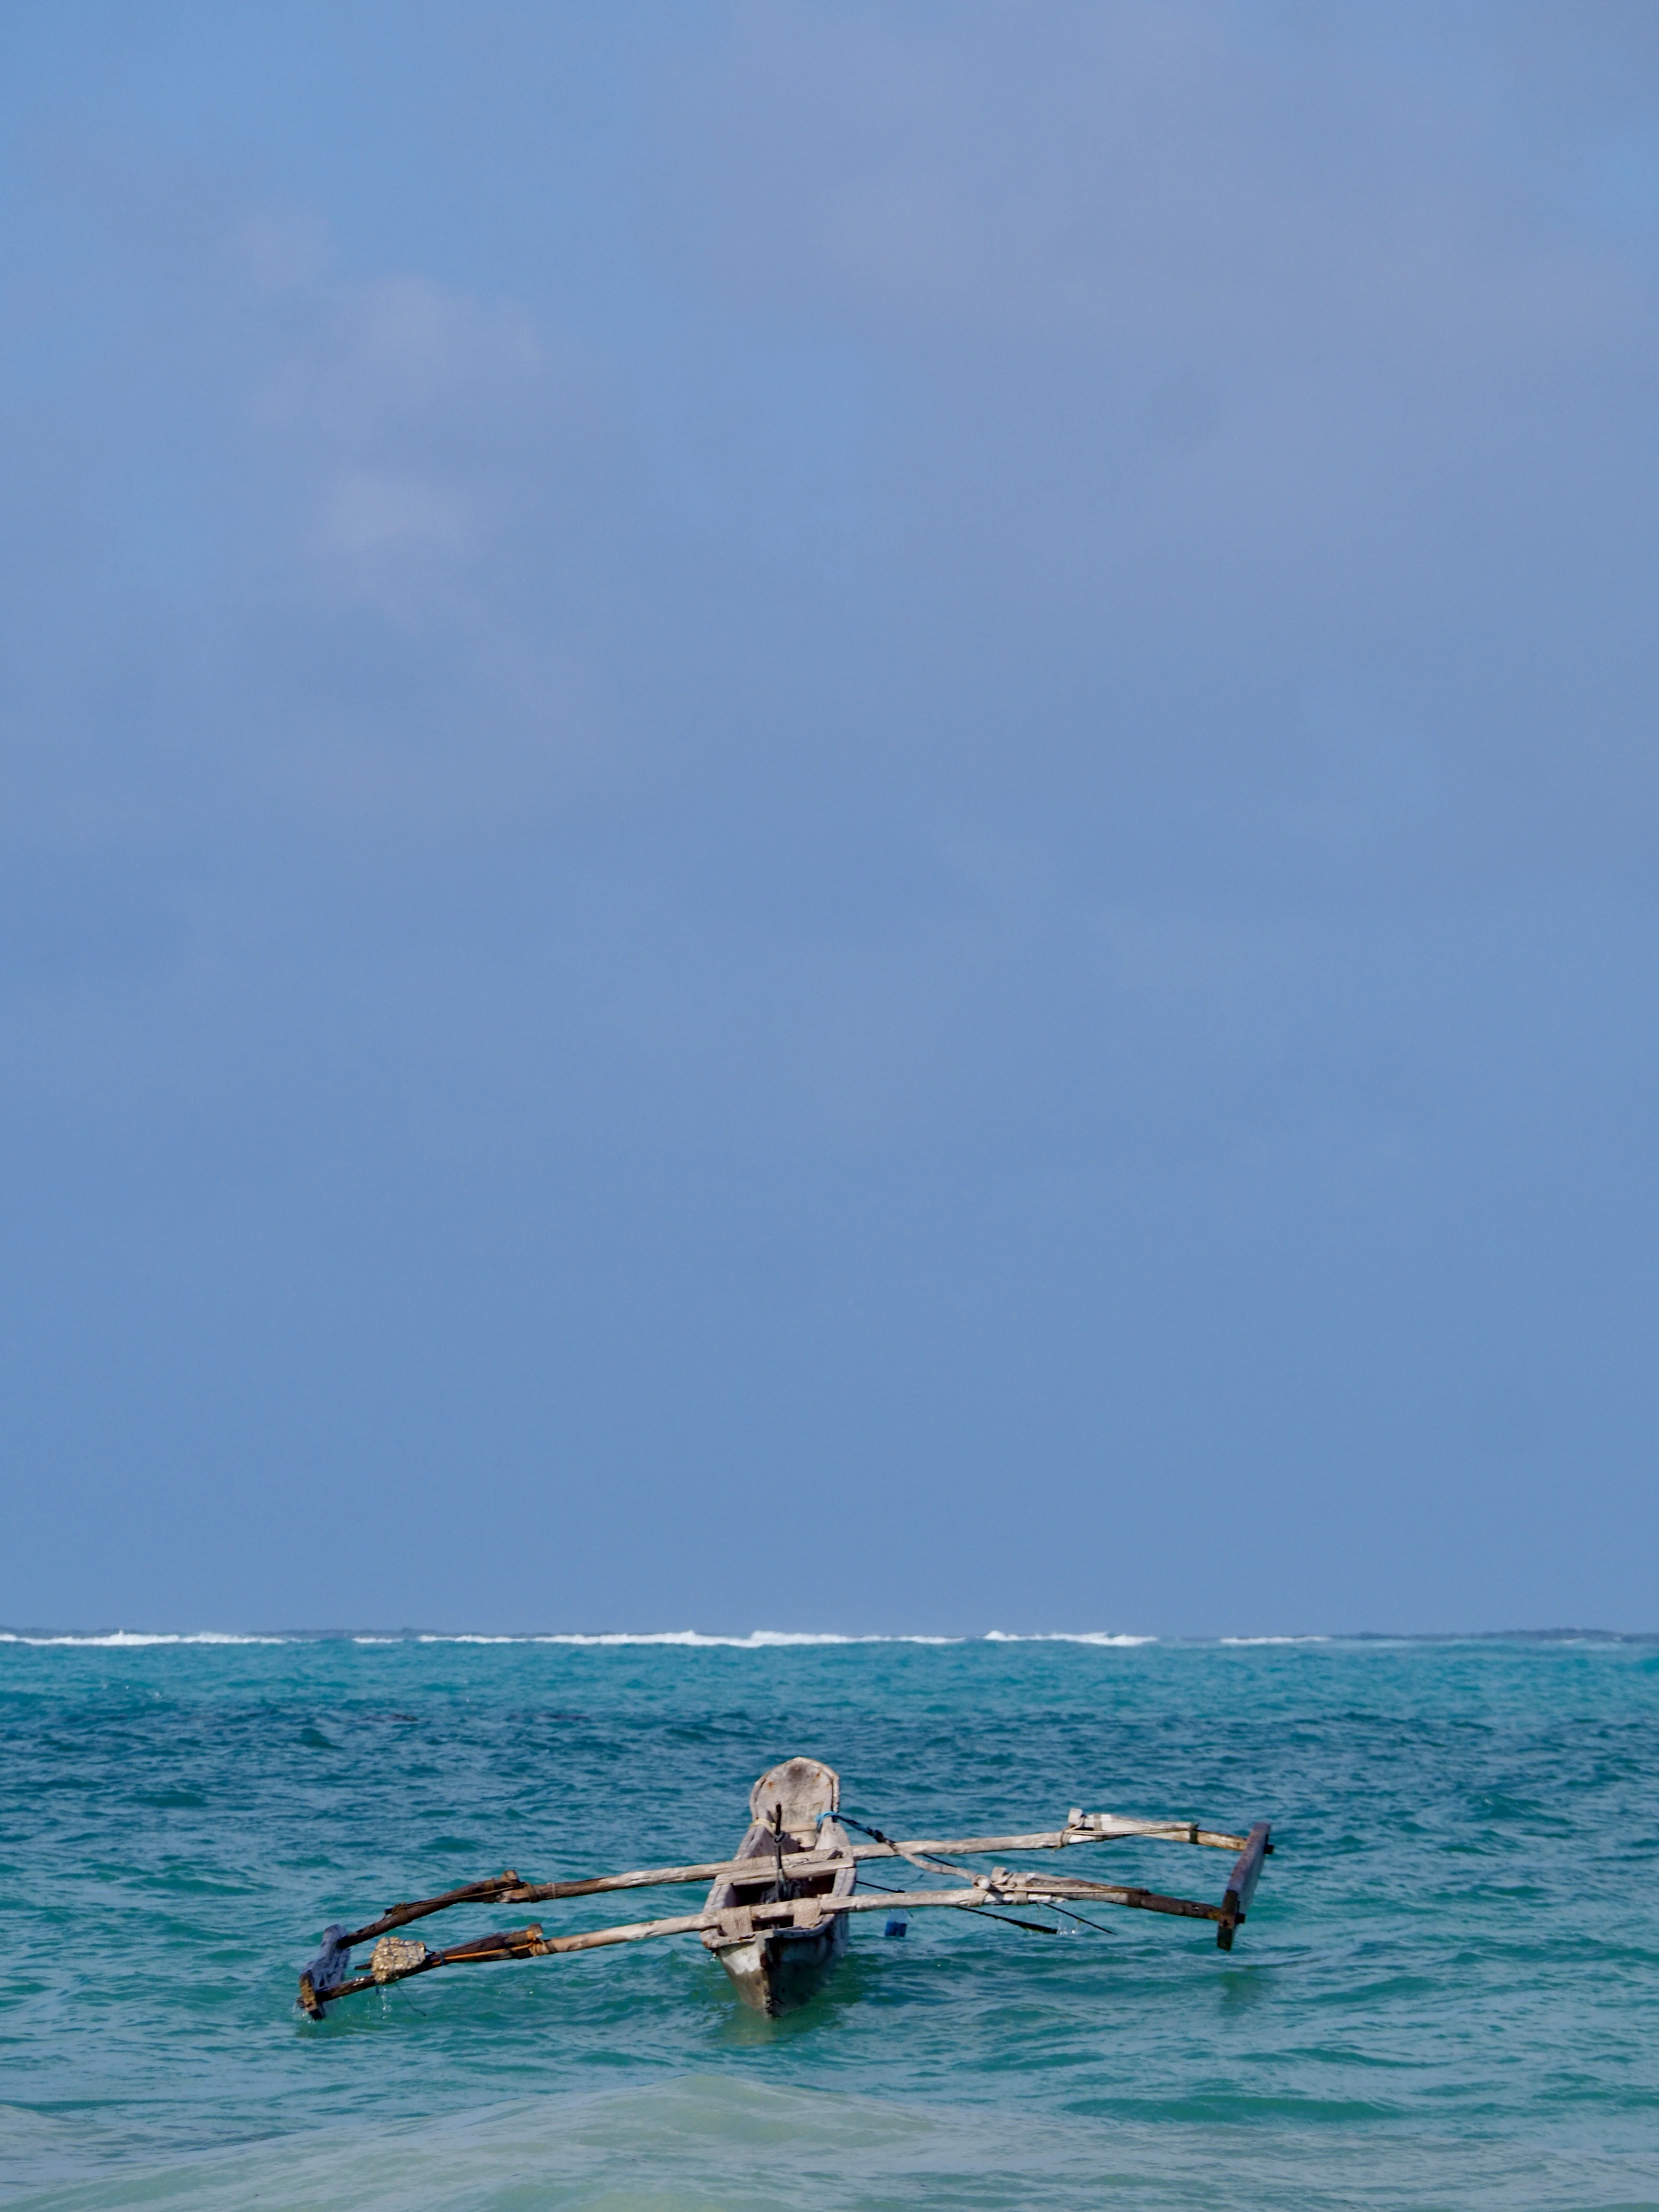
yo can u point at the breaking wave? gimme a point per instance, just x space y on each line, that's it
1065 1635
127 1639
759 1639
1273 1639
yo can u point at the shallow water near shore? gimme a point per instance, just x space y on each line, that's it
1440 1997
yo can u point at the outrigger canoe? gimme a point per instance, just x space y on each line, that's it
777 1912
791 1813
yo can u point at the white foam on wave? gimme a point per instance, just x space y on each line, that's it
426 1638
1273 1639
1100 1636
696 1640
125 1639
759 1639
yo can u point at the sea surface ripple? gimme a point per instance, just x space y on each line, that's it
1444 1994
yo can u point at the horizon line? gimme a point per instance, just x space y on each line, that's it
784 1640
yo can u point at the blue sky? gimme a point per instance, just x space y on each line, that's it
828 817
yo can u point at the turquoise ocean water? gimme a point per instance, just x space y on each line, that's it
1445 1993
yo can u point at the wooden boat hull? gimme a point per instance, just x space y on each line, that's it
781 1968
776 1968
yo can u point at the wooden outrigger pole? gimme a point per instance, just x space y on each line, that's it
800 1881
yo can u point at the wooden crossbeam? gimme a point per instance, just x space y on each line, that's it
508 1888
987 1893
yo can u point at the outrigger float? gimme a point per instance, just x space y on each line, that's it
776 1914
